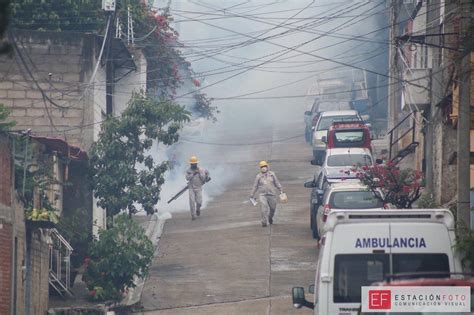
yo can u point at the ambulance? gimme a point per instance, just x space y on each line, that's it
362 247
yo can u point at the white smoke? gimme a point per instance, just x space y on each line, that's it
242 122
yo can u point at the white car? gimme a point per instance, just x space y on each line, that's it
346 196
339 161
321 129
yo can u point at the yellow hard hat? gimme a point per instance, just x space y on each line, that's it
193 160
263 163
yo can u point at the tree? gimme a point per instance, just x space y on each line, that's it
120 254
203 107
58 15
400 188
124 172
5 47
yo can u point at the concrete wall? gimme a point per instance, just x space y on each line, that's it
50 65
134 81
46 86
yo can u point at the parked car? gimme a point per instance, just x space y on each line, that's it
325 121
426 280
361 247
312 114
342 160
346 196
321 181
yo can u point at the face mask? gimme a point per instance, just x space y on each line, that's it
264 169
194 166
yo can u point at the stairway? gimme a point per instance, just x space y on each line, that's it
410 148
60 264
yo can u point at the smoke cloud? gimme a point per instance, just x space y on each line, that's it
236 36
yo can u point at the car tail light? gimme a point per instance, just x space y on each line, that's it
315 119
327 209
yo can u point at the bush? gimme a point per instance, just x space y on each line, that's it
400 188
427 202
465 246
121 253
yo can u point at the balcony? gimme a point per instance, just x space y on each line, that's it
417 95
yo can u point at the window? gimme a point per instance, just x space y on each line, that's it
354 200
349 138
326 122
349 160
352 271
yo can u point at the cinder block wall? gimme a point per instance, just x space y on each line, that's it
54 66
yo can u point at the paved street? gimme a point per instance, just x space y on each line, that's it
225 262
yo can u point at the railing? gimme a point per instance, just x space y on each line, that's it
60 264
412 129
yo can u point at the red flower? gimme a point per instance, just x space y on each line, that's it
406 189
196 83
92 292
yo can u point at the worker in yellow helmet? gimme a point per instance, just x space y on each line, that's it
196 177
266 184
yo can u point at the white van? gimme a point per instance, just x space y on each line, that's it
361 247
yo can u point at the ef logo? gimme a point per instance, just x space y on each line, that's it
380 300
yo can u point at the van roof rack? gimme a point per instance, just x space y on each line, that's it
348 121
390 215
424 274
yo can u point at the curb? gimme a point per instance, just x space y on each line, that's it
153 232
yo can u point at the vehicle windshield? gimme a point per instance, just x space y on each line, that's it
349 160
353 271
354 200
326 122
350 136
333 106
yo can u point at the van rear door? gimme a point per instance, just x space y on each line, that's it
368 252
421 248
355 263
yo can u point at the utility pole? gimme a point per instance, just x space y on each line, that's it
392 112
109 7
463 127
109 68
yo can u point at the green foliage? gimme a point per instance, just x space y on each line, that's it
124 173
39 174
465 246
5 47
121 253
75 229
427 202
203 107
4 113
58 15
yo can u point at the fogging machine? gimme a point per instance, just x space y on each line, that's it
183 190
